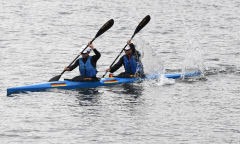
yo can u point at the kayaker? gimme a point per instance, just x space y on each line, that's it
87 64
131 62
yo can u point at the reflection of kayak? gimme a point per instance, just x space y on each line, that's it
91 84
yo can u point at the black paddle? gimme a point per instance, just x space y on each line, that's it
138 28
103 29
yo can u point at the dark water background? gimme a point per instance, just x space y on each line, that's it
38 38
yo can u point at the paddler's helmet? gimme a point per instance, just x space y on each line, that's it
131 46
87 50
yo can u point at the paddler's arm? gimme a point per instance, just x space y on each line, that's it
97 55
116 66
72 67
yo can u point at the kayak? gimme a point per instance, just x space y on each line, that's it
66 84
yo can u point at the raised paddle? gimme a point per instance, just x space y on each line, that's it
138 28
103 29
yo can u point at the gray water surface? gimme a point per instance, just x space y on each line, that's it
38 38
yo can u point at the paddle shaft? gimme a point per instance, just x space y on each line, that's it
77 56
118 56
103 29
138 28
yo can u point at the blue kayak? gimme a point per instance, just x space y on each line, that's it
92 84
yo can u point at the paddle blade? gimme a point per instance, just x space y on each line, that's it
105 27
56 78
142 24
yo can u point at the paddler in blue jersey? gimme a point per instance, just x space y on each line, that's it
131 62
87 64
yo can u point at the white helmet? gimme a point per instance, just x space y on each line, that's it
127 47
87 50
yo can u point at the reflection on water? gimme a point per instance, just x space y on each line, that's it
132 96
132 89
88 97
127 94
91 97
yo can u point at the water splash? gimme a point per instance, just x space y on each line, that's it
193 61
162 80
151 63
194 53
193 58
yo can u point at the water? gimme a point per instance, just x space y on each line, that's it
39 38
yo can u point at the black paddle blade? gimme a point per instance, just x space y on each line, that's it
142 24
56 78
105 27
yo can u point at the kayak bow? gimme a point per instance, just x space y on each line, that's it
91 84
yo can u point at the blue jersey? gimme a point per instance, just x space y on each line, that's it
87 69
132 66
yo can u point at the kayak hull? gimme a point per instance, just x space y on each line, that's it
102 82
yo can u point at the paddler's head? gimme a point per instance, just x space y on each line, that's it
86 52
129 49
